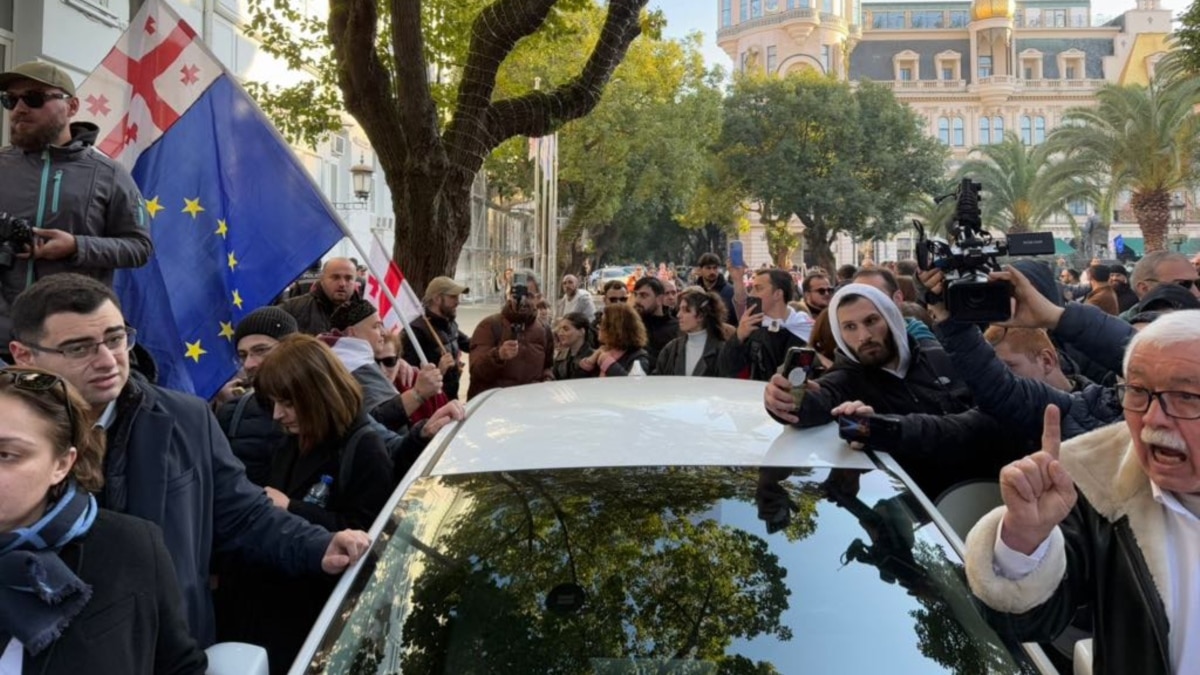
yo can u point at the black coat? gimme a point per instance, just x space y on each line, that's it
259 606
134 621
255 436
181 475
660 330
454 341
762 353
672 360
622 367
312 310
943 439
567 367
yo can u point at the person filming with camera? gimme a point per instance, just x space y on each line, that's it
64 207
512 347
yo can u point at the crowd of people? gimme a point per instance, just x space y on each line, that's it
168 522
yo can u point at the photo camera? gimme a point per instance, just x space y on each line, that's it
971 254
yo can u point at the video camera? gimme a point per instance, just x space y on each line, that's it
971 254
16 237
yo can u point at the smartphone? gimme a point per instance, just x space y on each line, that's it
803 358
854 428
881 432
753 304
736 256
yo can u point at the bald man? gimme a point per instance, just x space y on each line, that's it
574 299
334 289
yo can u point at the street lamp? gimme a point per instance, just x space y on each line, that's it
360 180
1178 213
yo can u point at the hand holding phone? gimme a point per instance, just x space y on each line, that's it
882 432
797 367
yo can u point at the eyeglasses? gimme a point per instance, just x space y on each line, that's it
388 361
38 382
1182 405
1185 283
33 99
116 342
822 291
257 351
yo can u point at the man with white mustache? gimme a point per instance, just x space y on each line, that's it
1130 547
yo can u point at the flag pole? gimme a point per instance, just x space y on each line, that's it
412 337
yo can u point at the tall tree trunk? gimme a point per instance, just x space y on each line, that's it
1153 212
421 249
816 241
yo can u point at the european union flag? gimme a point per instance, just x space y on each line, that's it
234 216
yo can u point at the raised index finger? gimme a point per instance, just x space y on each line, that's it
1051 431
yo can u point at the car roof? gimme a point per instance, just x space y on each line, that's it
633 421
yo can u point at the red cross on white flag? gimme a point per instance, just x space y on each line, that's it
410 305
150 78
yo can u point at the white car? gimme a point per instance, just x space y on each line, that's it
654 525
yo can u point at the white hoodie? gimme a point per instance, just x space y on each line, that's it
890 313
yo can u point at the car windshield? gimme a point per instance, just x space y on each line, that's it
680 570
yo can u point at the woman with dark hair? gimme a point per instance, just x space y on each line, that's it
332 470
70 572
695 352
573 339
622 344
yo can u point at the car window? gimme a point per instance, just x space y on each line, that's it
696 570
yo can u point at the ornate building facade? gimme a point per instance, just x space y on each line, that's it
973 71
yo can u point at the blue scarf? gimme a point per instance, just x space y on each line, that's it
39 594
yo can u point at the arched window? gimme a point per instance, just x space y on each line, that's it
1026 130
1039 129
944 130
959 139
997 129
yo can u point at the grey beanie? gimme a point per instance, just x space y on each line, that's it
270 321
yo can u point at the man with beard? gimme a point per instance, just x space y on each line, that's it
937 436
336 287
709 278
1118 278
816 291
511 348
445 344
1126 553
661 327
573 299
88 215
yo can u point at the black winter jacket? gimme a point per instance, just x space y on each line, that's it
660 330
725 290
623 366
566 366
1018 403
1109 555
762 352
255 436
312 310
452 339
943 439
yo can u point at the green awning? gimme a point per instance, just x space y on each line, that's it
1190 246
1061 247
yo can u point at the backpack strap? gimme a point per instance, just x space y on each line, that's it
347 459
238 411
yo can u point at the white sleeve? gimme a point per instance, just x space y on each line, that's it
1015 565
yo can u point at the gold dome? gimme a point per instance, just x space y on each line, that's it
993 9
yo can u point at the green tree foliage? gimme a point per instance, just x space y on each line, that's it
421 79
1142 139
840 159
1023 186
1188 38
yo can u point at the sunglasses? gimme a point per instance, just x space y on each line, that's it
37 382
822 291
388 361
1184 283
33 99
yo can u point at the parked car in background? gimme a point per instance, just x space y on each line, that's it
607 274
642 525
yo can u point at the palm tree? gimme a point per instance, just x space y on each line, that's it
1142 139
1023 186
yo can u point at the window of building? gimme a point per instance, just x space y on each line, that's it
1031 64
1026 130
1078 207
985 131
947 73
985 66
772 5
1071 64
726 13
827 6
1070 74
927 19
944 130
888 20
1033 18
1019 18
825 58
948 65
857 17
743 10
1079 17
959 136
906 74
906 66
1039 130
959 19
755 9
997 129
772 56
1056 18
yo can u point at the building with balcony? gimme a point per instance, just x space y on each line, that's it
973 70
